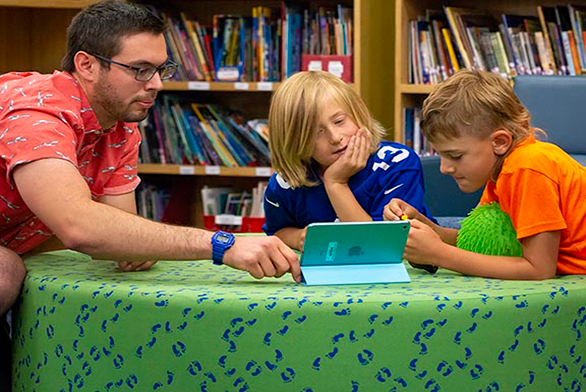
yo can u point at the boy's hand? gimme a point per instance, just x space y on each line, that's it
398 209
423 245
301 239
351 161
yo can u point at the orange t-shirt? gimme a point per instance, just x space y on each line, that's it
544 189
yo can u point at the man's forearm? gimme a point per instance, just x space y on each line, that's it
108 232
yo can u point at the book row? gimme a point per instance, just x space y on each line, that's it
265 47
442 42
178 131
152 200
224 208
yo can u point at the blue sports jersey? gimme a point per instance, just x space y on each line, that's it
394 171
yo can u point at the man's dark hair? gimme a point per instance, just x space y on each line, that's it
99 28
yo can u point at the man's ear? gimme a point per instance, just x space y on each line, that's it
501 141
86 65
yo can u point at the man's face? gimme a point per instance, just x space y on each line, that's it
468 159
117 95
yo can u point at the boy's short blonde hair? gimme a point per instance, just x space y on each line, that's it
294 116
474 103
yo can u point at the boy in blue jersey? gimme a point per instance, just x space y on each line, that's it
329 160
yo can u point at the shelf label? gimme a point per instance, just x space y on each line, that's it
198 85
264 86
186 170
336 68
228 74
315 65
227 219
263 171
212 170
241 86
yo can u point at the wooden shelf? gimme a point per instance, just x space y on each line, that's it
74 4
221 86
198 170
416 88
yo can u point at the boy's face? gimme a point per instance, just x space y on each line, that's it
468 159
335 128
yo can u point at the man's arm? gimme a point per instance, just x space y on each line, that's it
127 202
55 192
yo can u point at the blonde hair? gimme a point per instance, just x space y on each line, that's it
475 103
294 118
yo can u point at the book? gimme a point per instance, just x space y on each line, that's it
548 19
565 27
196 42
577 15
548 41
466 25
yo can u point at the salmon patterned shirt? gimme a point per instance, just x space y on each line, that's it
49 116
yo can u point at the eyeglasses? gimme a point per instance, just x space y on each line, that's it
144 74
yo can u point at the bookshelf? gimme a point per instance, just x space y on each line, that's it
41 49
412 95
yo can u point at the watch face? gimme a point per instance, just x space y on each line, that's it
223 238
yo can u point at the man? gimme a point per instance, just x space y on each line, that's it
68 154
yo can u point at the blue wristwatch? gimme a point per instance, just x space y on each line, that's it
221 242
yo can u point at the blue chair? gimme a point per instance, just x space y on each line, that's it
556 104
448 204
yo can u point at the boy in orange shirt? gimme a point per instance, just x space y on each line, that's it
482 132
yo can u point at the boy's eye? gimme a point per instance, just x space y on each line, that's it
455 157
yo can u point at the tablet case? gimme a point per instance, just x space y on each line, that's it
354 253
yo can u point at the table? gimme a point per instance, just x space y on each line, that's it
192 326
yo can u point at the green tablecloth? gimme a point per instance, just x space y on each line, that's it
191 326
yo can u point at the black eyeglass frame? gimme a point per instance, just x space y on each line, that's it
170 67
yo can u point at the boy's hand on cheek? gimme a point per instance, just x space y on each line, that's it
423 244
351 161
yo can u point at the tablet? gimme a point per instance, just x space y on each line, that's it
355 253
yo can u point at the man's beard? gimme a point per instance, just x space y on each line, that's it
114 106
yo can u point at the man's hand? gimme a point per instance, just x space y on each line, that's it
263 257
128 266
351 161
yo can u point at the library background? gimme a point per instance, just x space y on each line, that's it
205 160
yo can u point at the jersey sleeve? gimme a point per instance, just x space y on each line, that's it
532 201
399 175
277 206
124 178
